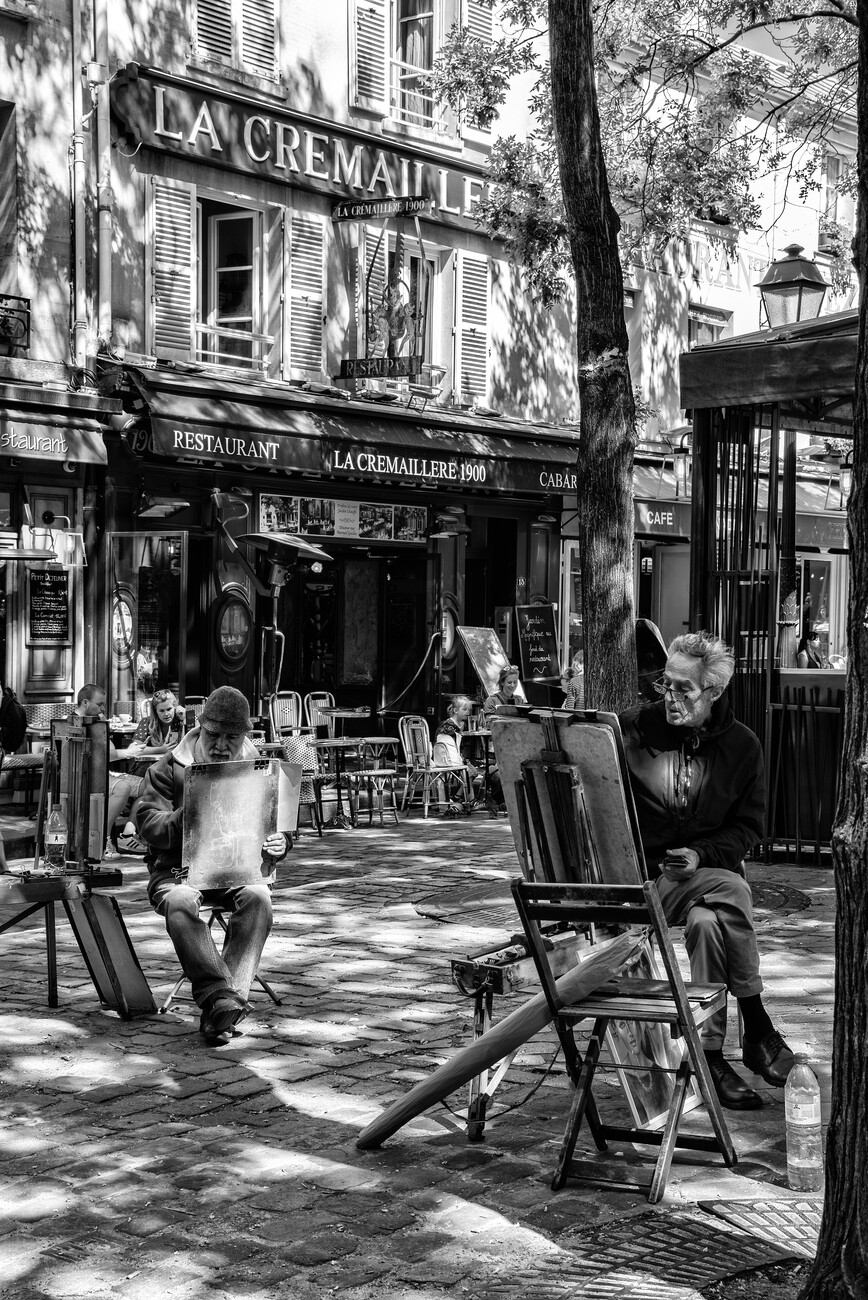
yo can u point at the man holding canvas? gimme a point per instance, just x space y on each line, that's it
220 983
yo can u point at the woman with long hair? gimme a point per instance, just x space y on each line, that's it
160 730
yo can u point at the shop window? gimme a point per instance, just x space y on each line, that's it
148 595
706 325
239 33
210 298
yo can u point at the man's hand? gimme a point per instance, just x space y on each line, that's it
275 846
679 864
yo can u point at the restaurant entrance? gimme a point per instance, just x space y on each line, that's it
357 628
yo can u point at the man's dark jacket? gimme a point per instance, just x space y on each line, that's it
702 790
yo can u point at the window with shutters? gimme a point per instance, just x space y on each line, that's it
213 291
470 374
837 208
393 44
241 34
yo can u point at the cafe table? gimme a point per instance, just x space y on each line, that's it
336 711
339 747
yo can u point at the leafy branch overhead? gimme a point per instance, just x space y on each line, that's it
697 104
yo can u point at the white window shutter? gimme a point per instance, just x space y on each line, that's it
306 291
374 266
479 17
171 270
259 37
214 38
470 379
368 48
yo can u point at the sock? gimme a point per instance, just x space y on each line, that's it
712 1053
755 1018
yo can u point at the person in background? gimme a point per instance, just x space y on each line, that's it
809 654
162 726
504 696
698 781
220 981
447 749
573 685
123 786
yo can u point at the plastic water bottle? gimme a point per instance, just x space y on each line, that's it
804 1129
56 836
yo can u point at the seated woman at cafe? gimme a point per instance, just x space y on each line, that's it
161 728
504 696
809 653
447 748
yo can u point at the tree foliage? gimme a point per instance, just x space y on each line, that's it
696 103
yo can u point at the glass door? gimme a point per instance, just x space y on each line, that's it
148 595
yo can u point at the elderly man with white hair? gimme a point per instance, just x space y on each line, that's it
698 781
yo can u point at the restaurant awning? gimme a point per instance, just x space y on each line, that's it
811 360
276 427
43 424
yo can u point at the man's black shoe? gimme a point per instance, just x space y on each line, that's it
219 1017
770 1057
731 1089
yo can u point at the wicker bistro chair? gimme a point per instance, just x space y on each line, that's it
312 715
419 757
298 747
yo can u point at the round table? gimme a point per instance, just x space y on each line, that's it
338 747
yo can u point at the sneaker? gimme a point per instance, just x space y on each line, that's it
110 853
131 845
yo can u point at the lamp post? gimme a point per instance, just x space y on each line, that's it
792 289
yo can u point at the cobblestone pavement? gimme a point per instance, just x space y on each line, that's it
138 1163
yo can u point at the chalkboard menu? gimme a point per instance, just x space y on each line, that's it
49 602
537 641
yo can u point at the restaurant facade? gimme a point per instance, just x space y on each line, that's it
259 301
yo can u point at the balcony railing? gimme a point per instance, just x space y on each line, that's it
218 346
14 323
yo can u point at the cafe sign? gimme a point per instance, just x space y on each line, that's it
227 130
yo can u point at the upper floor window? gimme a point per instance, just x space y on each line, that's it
393 45
837 209
705 325
240 33
233 284
412 56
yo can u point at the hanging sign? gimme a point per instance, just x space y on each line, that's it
371 209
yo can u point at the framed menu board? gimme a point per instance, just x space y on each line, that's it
537 642
49 607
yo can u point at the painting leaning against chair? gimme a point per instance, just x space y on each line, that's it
698 781
220 982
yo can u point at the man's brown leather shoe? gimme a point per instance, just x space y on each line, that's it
731 1089
770 1057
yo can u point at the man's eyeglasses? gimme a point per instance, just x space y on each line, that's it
664 687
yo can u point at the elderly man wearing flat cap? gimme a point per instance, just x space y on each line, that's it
221 983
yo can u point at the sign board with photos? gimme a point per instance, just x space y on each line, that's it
361 520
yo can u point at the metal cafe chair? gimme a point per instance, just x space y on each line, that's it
419 757
284 710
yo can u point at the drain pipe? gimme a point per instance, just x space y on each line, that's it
79 187
104 196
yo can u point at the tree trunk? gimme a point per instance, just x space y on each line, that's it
607 417
841 1267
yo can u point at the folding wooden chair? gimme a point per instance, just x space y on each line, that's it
668 1002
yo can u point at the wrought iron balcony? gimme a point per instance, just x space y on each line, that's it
14 323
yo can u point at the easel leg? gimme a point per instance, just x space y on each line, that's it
477 1098
51 954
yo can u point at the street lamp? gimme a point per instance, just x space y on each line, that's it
792 288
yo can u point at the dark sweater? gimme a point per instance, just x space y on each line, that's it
700 790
